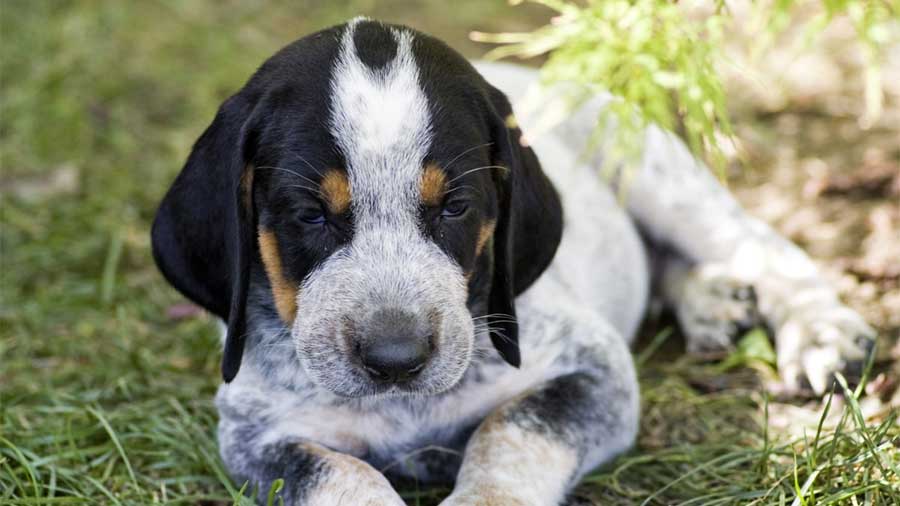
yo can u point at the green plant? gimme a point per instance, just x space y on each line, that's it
660 64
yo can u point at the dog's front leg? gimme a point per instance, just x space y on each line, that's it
313 475
534 448
721 251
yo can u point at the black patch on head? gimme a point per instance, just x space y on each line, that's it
375 44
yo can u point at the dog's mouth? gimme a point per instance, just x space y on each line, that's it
363 387
340 370
404 389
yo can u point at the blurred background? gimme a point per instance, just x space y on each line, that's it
107 374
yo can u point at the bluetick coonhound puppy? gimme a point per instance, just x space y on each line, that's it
366 218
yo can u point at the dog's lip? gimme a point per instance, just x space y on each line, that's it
364 388
376 391
415 388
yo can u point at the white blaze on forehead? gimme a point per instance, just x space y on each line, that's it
381 122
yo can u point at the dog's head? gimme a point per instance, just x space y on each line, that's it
380 184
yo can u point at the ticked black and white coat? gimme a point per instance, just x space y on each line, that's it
412 291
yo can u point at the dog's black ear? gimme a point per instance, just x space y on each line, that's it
529 225
203 235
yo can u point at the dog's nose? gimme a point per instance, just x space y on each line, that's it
395 345
397 359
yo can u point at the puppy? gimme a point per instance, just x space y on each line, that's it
409 292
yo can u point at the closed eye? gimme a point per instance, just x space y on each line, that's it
312 216
454 209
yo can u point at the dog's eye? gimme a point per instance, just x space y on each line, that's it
312 216
453 209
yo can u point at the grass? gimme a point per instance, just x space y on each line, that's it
106 396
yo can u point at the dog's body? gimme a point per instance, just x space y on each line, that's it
506 435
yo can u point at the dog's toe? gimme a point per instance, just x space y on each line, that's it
716 311
812 347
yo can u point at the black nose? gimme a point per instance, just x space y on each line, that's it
395 346
395 360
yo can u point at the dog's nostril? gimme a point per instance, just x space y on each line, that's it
395 360
376 374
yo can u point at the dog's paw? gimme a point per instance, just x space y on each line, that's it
482 497
352 481
356 493
815 343
715 310
813 340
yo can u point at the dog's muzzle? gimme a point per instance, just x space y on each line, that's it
387 315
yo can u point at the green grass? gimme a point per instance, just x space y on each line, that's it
105 399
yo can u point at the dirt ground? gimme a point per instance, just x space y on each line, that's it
807 163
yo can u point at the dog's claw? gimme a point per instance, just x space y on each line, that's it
815 346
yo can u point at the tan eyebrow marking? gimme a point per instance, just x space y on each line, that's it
433 185
283 290
336 190
484 235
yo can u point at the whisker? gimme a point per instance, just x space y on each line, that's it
492 315
291 151
451 190
289 171
496 318
314 191
503 336
493 330
482 352
476 169
457 157
492 325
